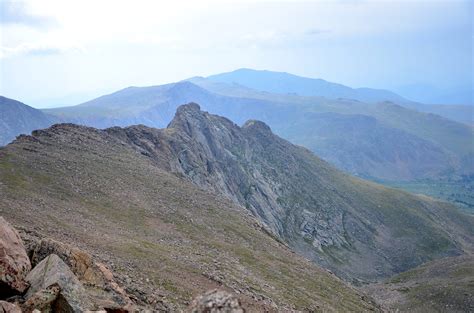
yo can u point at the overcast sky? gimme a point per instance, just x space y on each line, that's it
63 50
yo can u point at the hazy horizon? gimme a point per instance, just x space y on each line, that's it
57 53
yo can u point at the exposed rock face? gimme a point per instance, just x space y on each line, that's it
216 301
53 271
14 262
355 228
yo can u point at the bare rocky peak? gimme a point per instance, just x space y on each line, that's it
303 201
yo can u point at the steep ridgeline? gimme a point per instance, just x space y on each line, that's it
17 118
358 229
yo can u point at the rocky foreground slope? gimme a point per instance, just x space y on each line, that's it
44 275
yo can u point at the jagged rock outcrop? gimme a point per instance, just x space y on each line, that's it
351 226
216 301
14 262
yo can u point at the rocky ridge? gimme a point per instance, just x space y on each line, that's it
332 218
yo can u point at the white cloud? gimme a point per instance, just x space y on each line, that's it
39 49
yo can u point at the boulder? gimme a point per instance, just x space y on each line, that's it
53 271
7 307
216 301
105 292
14 262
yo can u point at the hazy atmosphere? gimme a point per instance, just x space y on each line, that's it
57 52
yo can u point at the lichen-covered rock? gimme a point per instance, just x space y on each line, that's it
7 307
42 300
51 271
106 293
14 262
216 301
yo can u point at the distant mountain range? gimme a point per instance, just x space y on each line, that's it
285 83
370 133
379 140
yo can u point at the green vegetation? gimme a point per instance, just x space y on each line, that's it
444 285
459 191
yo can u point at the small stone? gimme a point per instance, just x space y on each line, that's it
216 301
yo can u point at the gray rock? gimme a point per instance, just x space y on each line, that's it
52 270
216 301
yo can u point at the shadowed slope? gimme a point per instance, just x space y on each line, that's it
18 118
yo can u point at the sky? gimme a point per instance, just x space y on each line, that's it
55 52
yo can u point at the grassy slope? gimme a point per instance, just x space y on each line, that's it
459 191
169 238
445 285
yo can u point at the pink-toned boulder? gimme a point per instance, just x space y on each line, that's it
14 262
